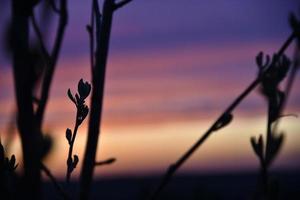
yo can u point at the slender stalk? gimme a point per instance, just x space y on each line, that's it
264 166
53 180
70 153
174 167
52 63
22 70
40 37
97 98
103 30
105 162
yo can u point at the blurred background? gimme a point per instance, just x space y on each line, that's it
173 67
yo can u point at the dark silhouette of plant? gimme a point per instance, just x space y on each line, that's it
23 80
105 162
7 174
276 99
26 60
266 152
224 119
101 25
84 89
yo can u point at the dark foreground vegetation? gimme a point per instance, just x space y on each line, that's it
33 68
235 186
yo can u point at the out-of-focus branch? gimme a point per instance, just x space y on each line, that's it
54 181
53 6
40 37
84 89
23 82
106 162
174 167
121 4
103 25
52 62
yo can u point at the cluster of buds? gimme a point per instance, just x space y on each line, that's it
272 73
84 89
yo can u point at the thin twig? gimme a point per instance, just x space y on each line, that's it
290 81
105 162
70 152
40 37
121 4
52 63
54 181
54 7
103 30
174 167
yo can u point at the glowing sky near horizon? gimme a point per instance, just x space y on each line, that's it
173 68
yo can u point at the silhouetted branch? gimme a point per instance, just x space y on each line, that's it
40 37
53 6
295 24
103 29
52 62
106 162
23 81
54 181
174 167
84 89
121 4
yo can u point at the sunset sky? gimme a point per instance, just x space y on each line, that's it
173 67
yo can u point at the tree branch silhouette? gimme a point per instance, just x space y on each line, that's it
40 37
51 64
23 83
121 4
105 162
103 30
174 167
53 180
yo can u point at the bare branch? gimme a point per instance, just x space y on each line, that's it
174 167
52 62
54 7
106 162
40 37
121 4
54 181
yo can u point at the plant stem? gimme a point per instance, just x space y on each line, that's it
30 136
52 63
174 167
98 79
70 154
53 180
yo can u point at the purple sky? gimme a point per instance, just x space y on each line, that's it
170 61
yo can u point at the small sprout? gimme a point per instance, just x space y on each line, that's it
224 121
69 135
12 163
75 161
262 62
106 162
78 100
84 89
71 97
257 146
